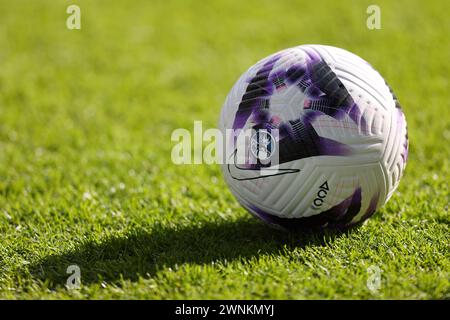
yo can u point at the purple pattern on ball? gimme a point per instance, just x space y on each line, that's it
258 91
337 217
401 124
324 94
371 208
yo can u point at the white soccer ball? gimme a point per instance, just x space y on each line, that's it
341 141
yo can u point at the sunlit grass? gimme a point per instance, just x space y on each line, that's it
85 171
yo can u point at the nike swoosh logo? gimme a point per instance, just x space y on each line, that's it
242 174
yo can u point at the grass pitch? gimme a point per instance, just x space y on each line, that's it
85 171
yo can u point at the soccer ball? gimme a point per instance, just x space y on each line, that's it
341 139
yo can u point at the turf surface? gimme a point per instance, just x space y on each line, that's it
85 170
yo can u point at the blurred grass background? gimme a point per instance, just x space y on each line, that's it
85 171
